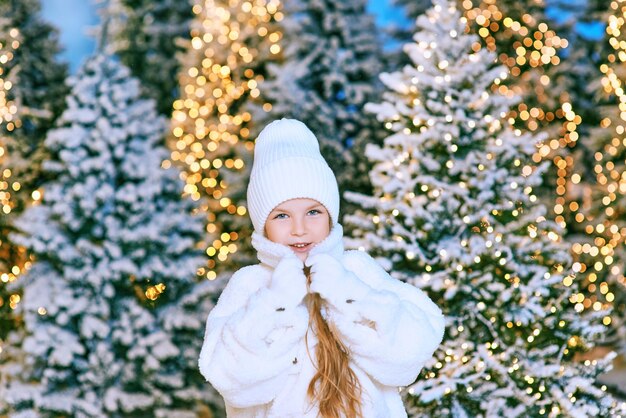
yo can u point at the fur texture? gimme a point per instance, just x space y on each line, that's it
254 351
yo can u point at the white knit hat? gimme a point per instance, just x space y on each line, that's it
288 165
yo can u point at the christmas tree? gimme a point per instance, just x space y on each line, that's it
526 42
146 36
579 66
552 62
113 314
331 58
32 92
454 213
601 249
212 128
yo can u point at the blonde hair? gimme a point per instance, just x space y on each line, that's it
335 387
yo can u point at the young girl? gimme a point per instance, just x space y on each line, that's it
313 330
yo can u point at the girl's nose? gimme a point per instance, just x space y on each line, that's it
297 227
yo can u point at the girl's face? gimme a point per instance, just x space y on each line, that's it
299 224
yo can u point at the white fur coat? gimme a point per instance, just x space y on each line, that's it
254 350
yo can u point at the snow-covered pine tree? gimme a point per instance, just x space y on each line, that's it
113 314
521 34
212 127
330 63
146 35
529 44
454 213
32 93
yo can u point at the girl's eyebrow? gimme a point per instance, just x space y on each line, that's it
314 206
279 211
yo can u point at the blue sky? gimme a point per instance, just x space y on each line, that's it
74 18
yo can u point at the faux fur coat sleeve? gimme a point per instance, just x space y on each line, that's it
390 327
251 339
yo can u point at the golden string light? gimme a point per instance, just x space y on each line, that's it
8 116
211 128
8 109
528 48
153 292
9 122
603 212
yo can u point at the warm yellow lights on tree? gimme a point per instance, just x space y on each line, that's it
212 128
600 209
8 118
153 292
528 47
8 108
9 121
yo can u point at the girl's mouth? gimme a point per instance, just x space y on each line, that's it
301 247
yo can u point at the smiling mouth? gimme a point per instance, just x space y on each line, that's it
301 246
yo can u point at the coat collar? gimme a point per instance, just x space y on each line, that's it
270 253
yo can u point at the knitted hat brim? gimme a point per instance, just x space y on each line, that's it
288 179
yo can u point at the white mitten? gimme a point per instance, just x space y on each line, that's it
288 282
333 282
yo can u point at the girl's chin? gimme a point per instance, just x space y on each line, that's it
302 256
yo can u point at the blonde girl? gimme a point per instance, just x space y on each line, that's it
312 330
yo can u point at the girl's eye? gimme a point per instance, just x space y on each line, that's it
280 216
314 212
